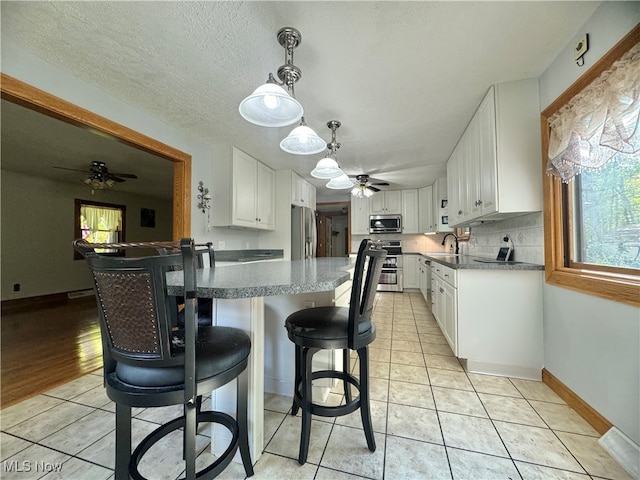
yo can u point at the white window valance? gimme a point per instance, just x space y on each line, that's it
600 122
100 218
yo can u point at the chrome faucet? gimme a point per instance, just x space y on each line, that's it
455 237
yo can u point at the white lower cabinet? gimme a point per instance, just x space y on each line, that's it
411 278
492 319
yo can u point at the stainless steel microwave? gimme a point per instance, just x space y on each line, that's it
385 224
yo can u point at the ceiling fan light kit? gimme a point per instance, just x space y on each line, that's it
303 141
361 191
270 105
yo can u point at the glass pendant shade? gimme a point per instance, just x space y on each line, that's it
360 191
340 182
326 169
303 141
271 106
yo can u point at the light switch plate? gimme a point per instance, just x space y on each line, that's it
220 244
582 46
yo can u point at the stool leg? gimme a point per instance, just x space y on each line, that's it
297 378
307 400
123 441
365 410
346 367
190 427
242 391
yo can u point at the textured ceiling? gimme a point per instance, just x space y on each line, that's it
404 78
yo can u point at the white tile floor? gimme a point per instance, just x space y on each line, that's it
432 421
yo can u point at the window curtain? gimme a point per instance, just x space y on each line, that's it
599 123
97 218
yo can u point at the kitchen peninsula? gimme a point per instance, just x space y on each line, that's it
257 297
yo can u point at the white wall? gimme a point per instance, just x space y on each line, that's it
593 345
38 229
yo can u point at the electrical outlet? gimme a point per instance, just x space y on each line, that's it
221 245
582 46
309 304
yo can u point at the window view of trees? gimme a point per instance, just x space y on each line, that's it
607 210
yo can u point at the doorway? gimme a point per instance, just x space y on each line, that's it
334 235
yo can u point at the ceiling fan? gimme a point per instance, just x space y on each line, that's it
365 186
98 176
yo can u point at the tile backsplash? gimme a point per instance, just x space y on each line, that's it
417 243
526 232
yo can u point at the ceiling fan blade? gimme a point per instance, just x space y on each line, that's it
381 184
117 179
373 189
125 175
70 169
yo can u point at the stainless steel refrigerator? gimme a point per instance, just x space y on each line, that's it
304 236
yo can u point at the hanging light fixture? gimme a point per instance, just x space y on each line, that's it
340 183
361 191
328 168
303 141
270 105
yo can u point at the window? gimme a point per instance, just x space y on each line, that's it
99 223
592 190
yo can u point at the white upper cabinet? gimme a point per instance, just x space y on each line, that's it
410 211
386 203
440 206
243 191
303 193
494 171
359 216
425 209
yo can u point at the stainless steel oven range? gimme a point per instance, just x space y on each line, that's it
391 276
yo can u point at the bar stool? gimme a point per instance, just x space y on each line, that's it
147 364
337 328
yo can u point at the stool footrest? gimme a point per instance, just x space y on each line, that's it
330 411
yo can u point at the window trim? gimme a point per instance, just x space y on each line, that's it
613 285
78 202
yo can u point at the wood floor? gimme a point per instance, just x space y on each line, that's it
48 345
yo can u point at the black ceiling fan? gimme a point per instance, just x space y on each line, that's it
364 181
98 172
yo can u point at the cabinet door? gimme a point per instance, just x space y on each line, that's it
265 197
410 267
245 181
393 202
456 185
472 170
449 311
360 216
377 204
435 299
297 188
425 209
487 154
410 209
309 195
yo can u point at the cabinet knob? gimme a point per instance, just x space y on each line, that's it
446 275
479 202
441 290
459 212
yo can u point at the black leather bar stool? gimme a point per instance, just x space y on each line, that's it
337 328
147 364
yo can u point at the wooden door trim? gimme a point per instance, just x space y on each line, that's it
16 91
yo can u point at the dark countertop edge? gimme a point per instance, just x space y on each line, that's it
467 262
248 255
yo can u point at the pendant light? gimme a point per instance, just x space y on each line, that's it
270 105
340 183
303 141
327 168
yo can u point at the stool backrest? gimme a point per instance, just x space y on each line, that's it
135 312
365 281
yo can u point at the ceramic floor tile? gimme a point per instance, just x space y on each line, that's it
536 445
32 462
442 361
398 336
378 418
413 394
328 474
76 468
347 452
466 464
10 445
379 354
437 349
382 342
271 467
437 339
529 471
382 332
413 422
272 421
164 459
509 409
161 415
532 390
471 433
494 385
75 437
406 346
408 327
439 377
75 387
41 426
407 358
458 401
413 459
429 329
96 397
563 418
379 370
379 389
593 457
286 441
24 410
409 373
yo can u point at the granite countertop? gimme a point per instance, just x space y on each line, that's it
267 278
471 262
248 255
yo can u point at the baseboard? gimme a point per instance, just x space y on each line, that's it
586 411
527 373
623 450
43 301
